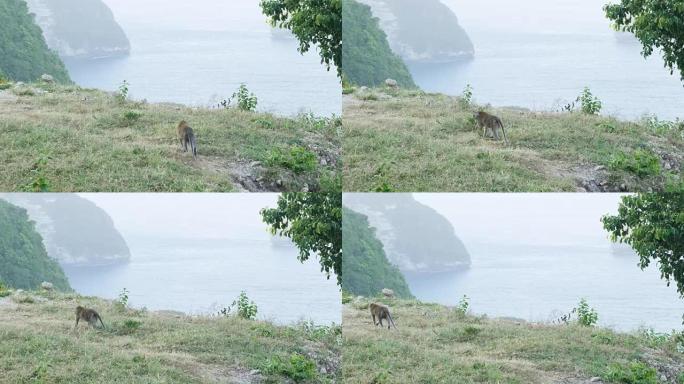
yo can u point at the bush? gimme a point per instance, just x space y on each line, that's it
467 97
632 373
297 159
298 367
122 94
131 116
4 291
641 162
246 100
589 104
586 316
463 305
122 302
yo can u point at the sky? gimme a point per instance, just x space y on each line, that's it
526 218
187 215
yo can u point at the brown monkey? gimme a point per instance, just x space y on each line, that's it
187 136
89 315
490 123
381 311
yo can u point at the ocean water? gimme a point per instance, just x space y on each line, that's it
541 283
198 54
541 54
203 276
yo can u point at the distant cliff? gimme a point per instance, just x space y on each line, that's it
416 237
80 28
24 56
422 31
365 267
23 261
75 231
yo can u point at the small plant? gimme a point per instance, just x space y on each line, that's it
586 316
122 94
4 291
246 100
632 373
463 305
4 83
298 367
246 308
263 123
589 104
297 159
132 116
131 325
384 187
662 127
467 96
641 162
122 302
39 182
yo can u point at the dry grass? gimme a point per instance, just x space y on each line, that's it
410 141
38 344
65 138
437 344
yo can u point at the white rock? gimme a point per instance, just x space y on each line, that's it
391 83
47 78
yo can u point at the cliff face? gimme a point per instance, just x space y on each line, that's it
416 238
75 231
422 31
23 260
80 28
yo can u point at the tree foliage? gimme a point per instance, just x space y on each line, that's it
366 55
313 22
366 270
653 225
313 221
24 55
658 24
24 263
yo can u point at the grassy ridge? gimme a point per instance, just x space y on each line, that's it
437 344
65 138
411 141
39 345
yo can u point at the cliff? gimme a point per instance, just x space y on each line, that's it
75 231
422 31
416 237
80 28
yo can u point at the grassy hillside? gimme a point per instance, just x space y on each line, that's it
365 268
24 263
412 141
24 55
65 138
367 58
39 345
437 344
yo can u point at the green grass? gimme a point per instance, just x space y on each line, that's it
39 345
410 141
65 138
437 344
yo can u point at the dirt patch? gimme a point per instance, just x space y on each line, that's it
246 175
8 97
668 369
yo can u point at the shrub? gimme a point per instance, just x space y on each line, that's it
246 100
641 162
589 104
131 116
4 291
298 367
122 302
632 373
122 93
39 182
586 316
467 96
297 159
245 308
463 305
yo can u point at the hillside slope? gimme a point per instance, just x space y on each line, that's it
416 142
367 58
437 344
40 345
24 263
24 55
365 268
65 138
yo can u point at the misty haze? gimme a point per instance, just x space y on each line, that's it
198 53
534 256
192 253
540 54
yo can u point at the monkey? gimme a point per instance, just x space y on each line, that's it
89 315
490 124
187 136
381 311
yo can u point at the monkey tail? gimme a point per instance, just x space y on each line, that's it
99 318
504 132
391 321
193 146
